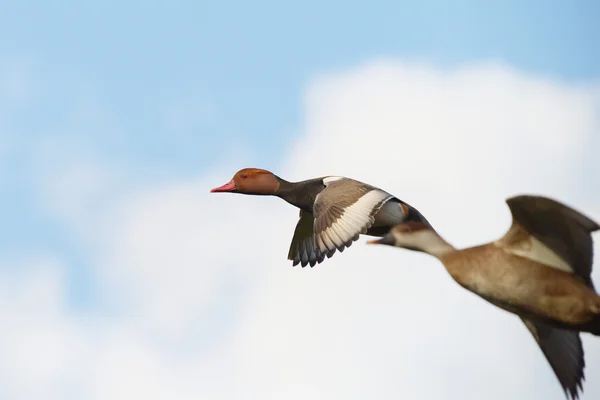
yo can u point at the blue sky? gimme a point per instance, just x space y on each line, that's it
240 68
247 64
168 90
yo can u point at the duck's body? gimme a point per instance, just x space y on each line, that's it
539 270
334 210
521 286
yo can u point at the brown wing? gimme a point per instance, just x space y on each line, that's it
560 228
344 210
563 350
302 249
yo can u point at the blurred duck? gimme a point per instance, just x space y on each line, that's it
539 270
334 210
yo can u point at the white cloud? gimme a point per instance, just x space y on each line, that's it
180 242
79 191
211 308
40 346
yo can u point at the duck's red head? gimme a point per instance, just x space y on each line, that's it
251 181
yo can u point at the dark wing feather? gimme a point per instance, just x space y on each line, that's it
344 210
560 228
302 249
563 350
341 212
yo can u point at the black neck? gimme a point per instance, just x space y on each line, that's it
300 194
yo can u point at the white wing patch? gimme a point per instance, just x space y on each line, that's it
330 179
535 250
355 220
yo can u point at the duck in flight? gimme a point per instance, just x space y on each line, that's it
334 210
539 270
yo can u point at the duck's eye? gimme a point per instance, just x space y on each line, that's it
244 176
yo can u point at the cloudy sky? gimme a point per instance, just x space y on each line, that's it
121 277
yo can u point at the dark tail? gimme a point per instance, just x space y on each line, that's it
595 326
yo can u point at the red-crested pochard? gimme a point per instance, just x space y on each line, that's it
334 210
539 270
